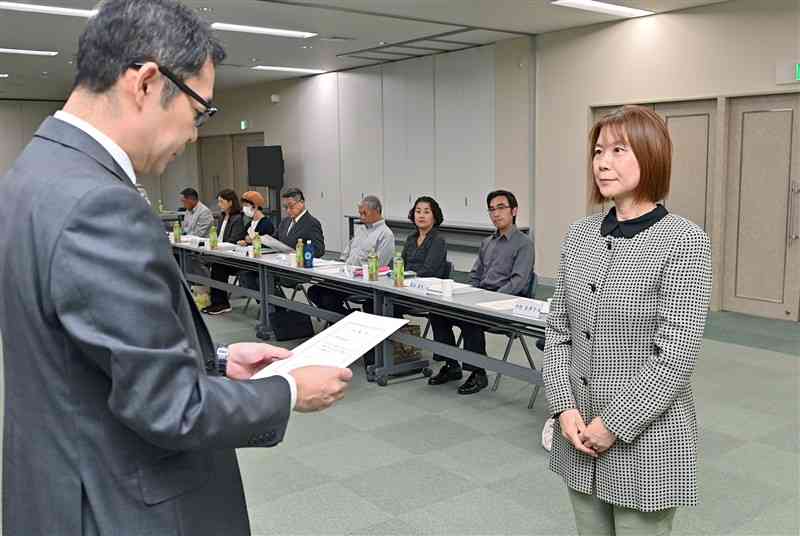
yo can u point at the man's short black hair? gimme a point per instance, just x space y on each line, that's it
191 193
512 199
127 31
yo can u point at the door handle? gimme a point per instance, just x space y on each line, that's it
794 198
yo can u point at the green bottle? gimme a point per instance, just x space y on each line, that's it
212 238
176 232
372 265
398 270
298 252
257 245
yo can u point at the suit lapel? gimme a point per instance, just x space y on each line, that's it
58 131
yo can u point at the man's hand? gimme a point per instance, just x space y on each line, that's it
597 437
247 358
319 387
572 426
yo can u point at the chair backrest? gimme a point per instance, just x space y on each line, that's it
448 269
532 285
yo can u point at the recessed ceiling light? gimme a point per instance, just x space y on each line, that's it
206 9
603 7
306 46
48 10
261 30
3 75
28 52
287 69
382 43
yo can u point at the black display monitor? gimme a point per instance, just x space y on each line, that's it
265 166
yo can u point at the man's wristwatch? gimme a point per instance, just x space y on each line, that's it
222 360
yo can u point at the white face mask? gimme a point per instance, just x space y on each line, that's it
249 211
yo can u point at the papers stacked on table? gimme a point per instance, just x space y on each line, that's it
525 307
433 285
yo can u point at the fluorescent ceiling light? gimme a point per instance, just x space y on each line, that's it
261 30
3 75
603 7
28 52
287 69
48 10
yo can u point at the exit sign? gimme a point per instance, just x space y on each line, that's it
797 72
244 124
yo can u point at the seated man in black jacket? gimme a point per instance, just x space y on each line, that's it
299 223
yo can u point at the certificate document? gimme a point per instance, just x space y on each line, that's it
339 345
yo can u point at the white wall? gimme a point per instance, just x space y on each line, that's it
19 121
721 49
421 126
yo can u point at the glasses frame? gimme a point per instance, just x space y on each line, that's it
497 208
210 108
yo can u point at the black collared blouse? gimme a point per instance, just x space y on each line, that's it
630 228
428 259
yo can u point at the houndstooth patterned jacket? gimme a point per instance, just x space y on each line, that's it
623 335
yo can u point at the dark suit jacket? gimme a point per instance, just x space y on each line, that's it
113 424
235 229
308 228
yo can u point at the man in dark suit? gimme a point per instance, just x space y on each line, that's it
299 223
117 419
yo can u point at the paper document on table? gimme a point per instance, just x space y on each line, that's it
433 285
339 345
274 243
499 305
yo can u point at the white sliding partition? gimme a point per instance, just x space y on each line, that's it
465 144
408 134
361 136
319 176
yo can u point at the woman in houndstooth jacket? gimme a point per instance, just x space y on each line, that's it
623 335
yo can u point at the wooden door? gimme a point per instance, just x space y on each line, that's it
216 167
762 225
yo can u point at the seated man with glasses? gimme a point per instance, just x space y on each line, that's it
504 264
299 223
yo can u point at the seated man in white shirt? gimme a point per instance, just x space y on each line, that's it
198 218
373 235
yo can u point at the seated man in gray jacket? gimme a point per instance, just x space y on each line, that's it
198 218
504 264
375 235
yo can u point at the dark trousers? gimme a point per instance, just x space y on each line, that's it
220 272
474 339
333 300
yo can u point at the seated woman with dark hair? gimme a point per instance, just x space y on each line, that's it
230 229
425 250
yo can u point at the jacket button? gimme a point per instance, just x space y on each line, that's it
588 335
584 380
593 287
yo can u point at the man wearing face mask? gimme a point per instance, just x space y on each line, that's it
252 205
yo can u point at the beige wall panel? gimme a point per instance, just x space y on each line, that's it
684 55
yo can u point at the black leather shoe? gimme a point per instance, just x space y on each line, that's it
475 382
445 374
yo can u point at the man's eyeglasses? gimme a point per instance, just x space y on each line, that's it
498 207
200 117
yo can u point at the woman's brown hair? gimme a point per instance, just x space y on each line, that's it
645 132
